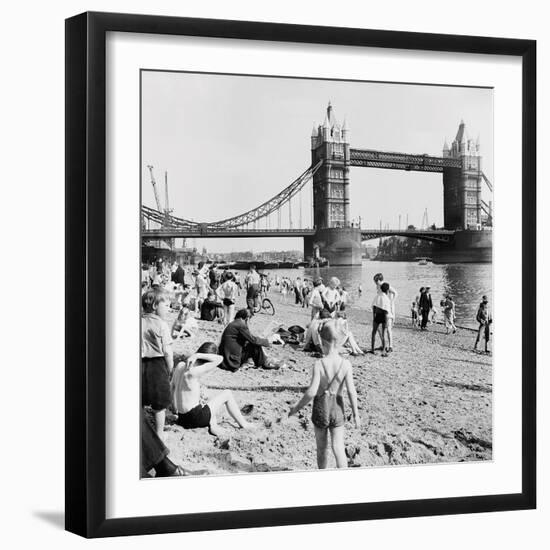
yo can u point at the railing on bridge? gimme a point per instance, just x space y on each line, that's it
401 161
433 235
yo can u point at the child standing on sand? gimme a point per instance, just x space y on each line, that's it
329 377
186 387
414 315
157 359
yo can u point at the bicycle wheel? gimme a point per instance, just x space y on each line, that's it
267 306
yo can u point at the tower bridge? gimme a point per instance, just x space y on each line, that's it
324 188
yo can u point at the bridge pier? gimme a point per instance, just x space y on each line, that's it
339 245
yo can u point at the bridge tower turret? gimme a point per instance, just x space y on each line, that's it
462 186
335 239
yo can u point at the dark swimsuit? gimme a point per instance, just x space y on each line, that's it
197 417
328 408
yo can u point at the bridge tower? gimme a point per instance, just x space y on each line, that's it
335 239
462 186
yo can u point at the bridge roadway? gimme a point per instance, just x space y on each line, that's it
434 235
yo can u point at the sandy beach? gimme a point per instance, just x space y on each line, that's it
429 401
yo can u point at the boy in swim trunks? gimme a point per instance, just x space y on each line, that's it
186 389
329 377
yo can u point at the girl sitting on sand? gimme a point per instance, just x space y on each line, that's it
346 336
184 323
329 377
186 387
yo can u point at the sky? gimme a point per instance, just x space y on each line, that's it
229 143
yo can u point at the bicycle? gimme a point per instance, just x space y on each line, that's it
264 305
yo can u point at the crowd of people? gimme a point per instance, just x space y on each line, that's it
211 294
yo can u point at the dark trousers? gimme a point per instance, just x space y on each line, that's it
252 296
254 352
153 450
425 314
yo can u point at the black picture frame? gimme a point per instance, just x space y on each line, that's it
86 285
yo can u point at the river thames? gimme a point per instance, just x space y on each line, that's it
466 283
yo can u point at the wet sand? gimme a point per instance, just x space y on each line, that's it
429 401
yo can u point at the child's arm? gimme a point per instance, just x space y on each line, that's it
167 347
211 361
309 394
169 356
352 394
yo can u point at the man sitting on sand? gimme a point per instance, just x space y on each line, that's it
186 387
240 347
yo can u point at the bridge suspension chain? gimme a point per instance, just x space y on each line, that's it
273 204
486 180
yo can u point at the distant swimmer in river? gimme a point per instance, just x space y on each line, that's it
329 377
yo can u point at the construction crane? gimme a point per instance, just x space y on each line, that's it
155 190
167 209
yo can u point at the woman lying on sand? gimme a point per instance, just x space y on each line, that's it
187 389
329 377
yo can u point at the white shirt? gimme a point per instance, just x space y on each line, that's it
315 299
331 295
392 295
382 301
253 278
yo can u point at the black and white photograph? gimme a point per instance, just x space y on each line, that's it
316 274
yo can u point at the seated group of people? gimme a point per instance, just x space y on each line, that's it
326 303
329 377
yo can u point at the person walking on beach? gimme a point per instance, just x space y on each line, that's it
306 290
424 306
252 283
316 297
449 313
380 311
228 292
186 388
157 360
414 314
201 286
329 377
484 319
392 295
298 286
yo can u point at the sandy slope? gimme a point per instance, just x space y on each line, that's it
429 401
